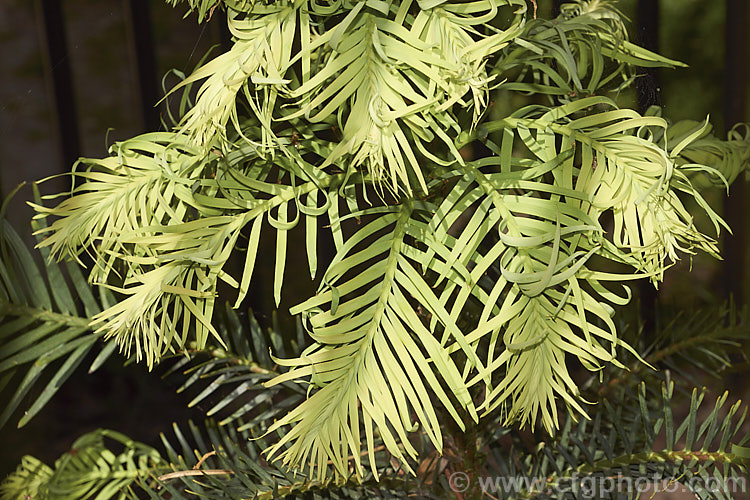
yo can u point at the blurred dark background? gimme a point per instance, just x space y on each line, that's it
80 74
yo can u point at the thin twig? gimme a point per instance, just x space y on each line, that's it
196 470
203 459
211 12
205 472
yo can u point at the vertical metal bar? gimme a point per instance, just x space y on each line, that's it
57 67
143 42
648 89
225 37
735 99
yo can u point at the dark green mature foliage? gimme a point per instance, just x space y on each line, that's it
45 331
478 259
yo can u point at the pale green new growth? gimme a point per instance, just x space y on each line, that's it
473 250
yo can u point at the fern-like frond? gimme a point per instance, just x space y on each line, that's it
161 222
102 464
229 381
212 462
258 59
625 172
374 365
145 182
583 51
390 81
45 325
540 302
706 159
29 480
534 223
686 349
616 455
